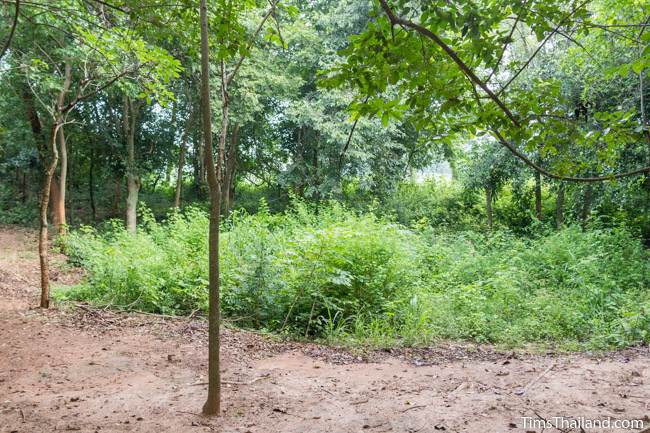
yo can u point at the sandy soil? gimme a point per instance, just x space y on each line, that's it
81 369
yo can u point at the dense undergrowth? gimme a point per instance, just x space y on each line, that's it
355 277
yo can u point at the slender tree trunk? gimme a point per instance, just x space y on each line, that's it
586 205
44 196
197 161
559 206
58 202
231 192
133 188
91 185
23 187
55 213
488 207
212 405
200 178
132 178
168 175
203 178
59 205
644 117
48 151
43 235
117 196
179 177
538 196
229 175
181 159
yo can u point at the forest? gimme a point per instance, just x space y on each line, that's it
213 203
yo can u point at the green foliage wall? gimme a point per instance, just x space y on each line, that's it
329 272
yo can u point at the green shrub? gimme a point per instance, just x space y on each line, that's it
13 211
160 269
436 203
330 272
567 287
283 272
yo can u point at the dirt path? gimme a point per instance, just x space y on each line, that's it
93 371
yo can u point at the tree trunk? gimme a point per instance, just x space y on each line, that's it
181 159
117 196
23 187
202 172
644 117
168 175
538 196
179 176
59 205
229 175
559 206
132 178
43 238
586 205
231 191
55 212
48 150
212 405
91 185
488 207
44 198
133 188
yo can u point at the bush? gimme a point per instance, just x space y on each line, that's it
327 271
160 269
567 287
287 272
436 203
12 211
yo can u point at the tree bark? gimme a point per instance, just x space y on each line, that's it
644 117
586 205
117 196
181 159
179 176
538 196
48 150
23 187
212 405
43 235
59 205
55 212
229 175
132 179
91 185
203 178
559 206
488 207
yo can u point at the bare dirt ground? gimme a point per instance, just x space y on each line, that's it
81 369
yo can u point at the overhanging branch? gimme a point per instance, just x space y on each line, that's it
7 43
233 73
474 80
394 19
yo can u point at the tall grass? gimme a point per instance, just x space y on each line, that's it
332 273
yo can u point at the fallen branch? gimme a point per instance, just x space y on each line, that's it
414 407
534 381
227 382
